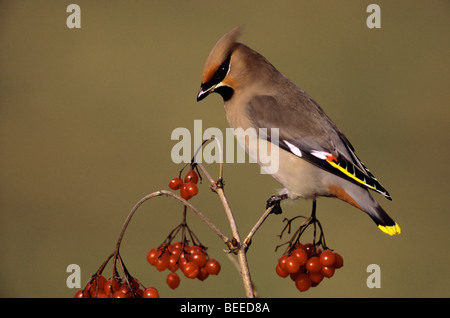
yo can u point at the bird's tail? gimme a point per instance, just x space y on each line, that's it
379 216
383 220
365 202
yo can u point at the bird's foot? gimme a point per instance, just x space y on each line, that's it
274 201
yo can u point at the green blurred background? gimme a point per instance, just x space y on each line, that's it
86 117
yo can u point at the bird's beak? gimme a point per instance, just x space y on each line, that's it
205 91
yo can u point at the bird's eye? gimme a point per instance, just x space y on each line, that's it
221 71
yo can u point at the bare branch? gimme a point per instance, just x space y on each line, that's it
174 196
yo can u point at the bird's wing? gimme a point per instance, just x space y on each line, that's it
307 132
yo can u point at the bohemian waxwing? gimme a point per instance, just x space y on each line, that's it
314 157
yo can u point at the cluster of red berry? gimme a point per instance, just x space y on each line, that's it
307 265
193 261
188 188
99 287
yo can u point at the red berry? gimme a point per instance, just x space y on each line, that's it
292 265
174 248
184 193
176 245
151 292
339 262
190 270
79 294
194 249
309 248
301 255
101 294
162 262
101 280
119 294
313 265
191 176
327 271
175 183
90 289
96 285
164 248
111 286
176 253
140 293
303 282
316 278
300 271
202 273
212 266
198 258
327 258
173 263
173 280
281 272
124 288
135 283
152 256
182 261
282 262
191 189
299 245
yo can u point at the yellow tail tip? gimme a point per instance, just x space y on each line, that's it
391 230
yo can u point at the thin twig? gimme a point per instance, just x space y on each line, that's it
217 187
236 246
257 226
174 196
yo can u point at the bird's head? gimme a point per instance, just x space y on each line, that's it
225 69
